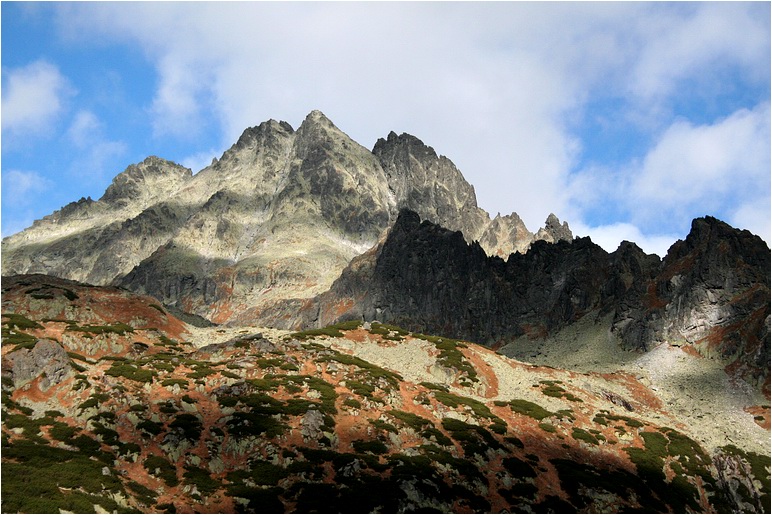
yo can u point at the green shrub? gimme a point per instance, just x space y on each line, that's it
265 473
389 332
373 372
142 493
453 401
189 425
518 468
153 428
450 356
131 372
331 330
95 400
580 434
118 328
162 468
158 308
384 426
202 479
372 446
20 340
39 478
182 383
412 420
529 409
352 403
254 424
19 322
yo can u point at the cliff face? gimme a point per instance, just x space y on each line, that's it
262 230
711 292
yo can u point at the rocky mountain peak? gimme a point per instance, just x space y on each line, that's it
404 144
316 120
252 136
282 211
554 231
153 177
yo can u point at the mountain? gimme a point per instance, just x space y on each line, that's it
711 292
380 345
112 404
262 230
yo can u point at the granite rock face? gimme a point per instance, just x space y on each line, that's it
47 360
263 229
711 291
99 241
424 276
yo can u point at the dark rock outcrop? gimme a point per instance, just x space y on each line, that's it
425 277
711 291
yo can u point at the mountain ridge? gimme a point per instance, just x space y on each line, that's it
268 225
380 345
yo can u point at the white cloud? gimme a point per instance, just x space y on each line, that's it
610 236
706 168
199 160
720 169
97 154
33 97
84 128
698 42
19 185
755 217
496 87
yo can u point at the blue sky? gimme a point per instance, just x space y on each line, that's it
627 120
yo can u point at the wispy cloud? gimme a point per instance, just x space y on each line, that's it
33 98
698 42
498 87
98 153
199 160
19 185
704 168
21 189
691 170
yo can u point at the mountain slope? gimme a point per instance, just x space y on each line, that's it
262 230
103 413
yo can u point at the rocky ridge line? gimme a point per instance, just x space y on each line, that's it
711 292
264 228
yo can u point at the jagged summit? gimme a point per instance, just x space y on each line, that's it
639 384
270 223
145 181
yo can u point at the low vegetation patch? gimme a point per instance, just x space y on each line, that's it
130 371
450 356
552 389
14 320
527 408
478 408
162 468
388 332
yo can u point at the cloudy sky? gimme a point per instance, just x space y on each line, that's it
627 120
